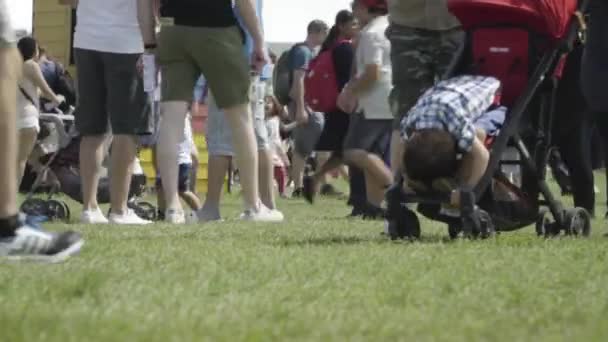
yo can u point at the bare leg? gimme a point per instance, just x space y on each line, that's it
191 200
173 116
27 141
266 179
371 164
10 68
124 149
245 146
217 169
297 170
92 150
374 190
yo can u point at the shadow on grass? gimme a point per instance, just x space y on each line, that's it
338 240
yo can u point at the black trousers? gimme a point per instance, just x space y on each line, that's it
573 131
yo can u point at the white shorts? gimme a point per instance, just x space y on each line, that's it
28 117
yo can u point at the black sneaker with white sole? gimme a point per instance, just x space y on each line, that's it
33 244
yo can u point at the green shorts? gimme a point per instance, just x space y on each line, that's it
186 52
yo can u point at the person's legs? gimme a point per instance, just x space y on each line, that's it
18 241
220 154
129 117
10 62
170 136
27 141
217 167
124 149
305 139
91 156
371 164
92 123
184 188
266 179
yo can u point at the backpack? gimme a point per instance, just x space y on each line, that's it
282 77
321 83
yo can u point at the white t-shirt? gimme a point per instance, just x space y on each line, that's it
187 145
375 48
108 26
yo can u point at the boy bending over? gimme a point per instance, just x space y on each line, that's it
446 131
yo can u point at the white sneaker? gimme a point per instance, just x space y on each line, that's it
33 244
262 214
128 218
174 216
93 216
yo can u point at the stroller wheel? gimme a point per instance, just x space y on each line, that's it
577 222
144 210
55 210
34 207
405 226
67 211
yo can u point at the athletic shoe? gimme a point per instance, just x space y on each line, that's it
93 216
297 193
207 215
173 216
128 218
32 244
308 189
262 214
330 191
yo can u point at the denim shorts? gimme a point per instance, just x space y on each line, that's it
219 134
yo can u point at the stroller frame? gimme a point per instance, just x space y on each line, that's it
403 223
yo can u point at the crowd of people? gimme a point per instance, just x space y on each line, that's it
269 116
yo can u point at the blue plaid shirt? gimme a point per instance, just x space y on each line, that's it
453 105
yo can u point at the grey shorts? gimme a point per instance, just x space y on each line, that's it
7 35
110 94
368 135
219 134
307 136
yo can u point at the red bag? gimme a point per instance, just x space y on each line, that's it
321 84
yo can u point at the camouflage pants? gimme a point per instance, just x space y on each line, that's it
419 59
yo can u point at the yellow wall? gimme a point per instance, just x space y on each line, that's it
52 25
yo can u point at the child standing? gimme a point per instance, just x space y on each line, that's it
186 154
280 160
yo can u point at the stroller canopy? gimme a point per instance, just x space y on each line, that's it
548 17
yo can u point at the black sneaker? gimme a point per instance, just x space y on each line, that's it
297 193
308 189
357 212
371 212
330 191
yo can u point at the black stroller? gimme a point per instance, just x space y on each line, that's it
60 169
524 44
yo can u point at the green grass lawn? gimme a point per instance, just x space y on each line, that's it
318 276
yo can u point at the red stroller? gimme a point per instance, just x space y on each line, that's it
524 44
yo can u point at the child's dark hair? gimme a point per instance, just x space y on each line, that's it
28 47
430 154
343 17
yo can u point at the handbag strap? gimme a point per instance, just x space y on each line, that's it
28 97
